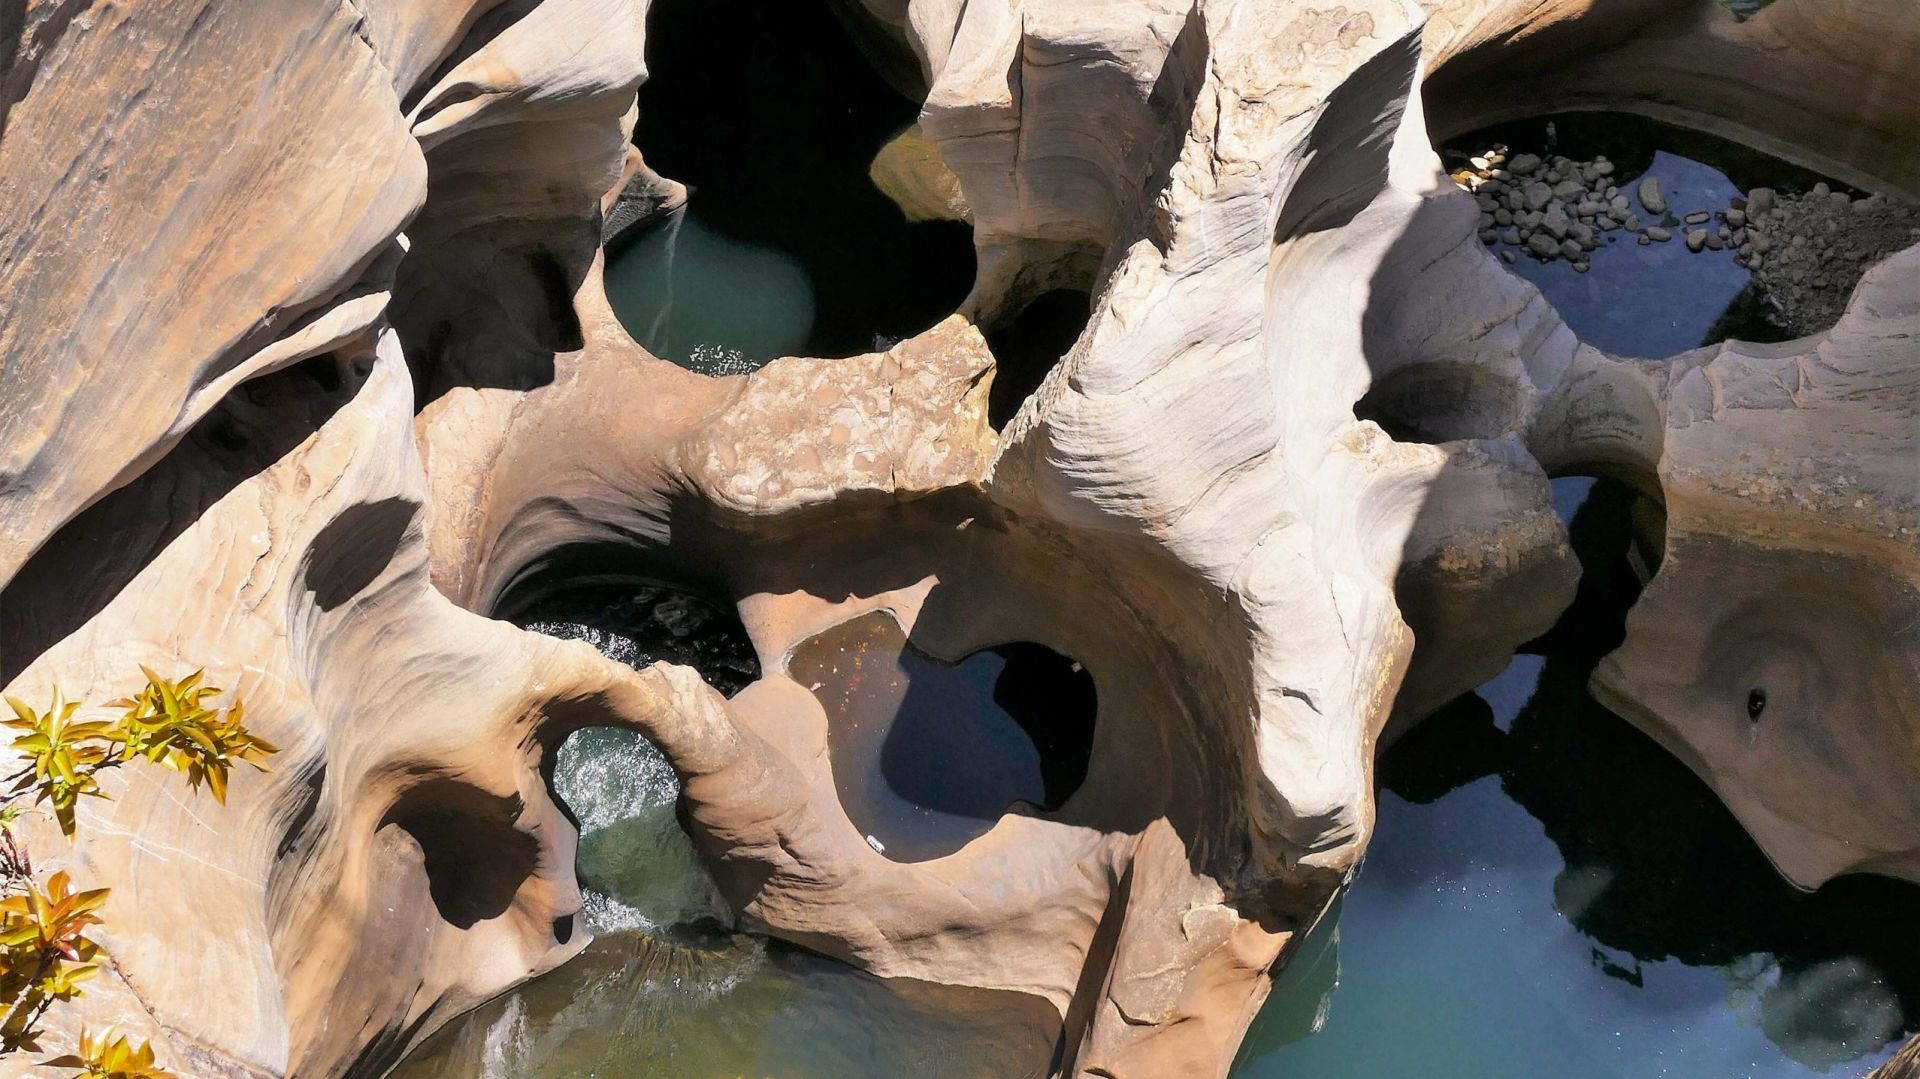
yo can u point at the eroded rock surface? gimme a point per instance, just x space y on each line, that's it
307 420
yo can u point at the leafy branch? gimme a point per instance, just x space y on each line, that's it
45 953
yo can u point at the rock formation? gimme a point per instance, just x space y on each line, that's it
309 369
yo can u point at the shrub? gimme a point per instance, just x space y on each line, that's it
45 954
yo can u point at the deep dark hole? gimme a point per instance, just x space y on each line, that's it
772 115
928 754
1052 698
1686 882
635 613
1026 349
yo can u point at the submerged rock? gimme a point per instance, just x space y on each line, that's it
1651 196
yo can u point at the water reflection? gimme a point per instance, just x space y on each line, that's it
707 301
927 755
1659 299
1653 300
1550 893
786 247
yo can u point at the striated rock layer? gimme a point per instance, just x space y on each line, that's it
311 407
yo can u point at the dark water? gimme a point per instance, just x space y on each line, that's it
1660 299
927 755
640 622
1657 300
1550 893
771 115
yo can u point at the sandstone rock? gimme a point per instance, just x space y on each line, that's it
1698 217
1760 201
1739 718
909 171
1696 239
1192 502
1706 73
640 198
1659 234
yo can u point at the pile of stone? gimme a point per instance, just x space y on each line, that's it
1809 251
1550 208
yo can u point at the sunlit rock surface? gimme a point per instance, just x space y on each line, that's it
309 365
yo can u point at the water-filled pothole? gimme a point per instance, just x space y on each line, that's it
1696 265
641 622
637 868
771 115
664 990
1549 892
926 754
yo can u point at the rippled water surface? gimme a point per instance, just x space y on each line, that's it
1550 893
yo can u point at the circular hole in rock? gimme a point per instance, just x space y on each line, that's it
928 754
785 246
636 866
1617 262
